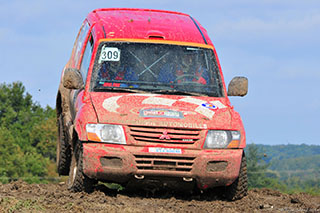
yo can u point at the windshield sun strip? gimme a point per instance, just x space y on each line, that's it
149 41
153 83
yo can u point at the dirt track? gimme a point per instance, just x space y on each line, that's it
22 197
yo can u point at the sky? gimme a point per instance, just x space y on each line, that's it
275 44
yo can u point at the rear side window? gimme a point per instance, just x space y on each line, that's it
79 43
86 58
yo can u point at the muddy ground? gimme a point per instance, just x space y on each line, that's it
22 197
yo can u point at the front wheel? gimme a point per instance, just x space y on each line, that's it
239 188
77 180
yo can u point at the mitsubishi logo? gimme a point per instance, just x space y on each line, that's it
165 136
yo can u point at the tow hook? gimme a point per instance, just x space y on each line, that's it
139 177
188 179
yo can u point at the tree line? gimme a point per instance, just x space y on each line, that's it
27 136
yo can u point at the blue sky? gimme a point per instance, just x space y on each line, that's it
274 43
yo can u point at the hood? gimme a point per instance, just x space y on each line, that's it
162 110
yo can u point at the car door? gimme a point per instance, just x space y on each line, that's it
85 64
79 55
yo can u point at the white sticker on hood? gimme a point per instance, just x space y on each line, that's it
205 111
111 104
159 101
202 109
218 104
192 101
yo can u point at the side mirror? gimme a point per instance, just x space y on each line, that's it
72 79
238 86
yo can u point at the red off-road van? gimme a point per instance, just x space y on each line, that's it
142 101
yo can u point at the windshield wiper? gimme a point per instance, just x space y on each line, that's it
178 92
118 89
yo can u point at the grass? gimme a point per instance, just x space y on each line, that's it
113 186
10 204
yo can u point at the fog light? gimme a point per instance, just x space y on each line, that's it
113 162
216 166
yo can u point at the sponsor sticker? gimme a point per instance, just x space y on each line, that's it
165 150
160 113
209 106
170 124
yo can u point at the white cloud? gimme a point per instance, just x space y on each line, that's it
315 104
287 26
298 70
4 33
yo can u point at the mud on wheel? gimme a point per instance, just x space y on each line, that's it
239 188
78 181
63 150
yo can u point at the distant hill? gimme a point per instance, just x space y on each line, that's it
289 151
287 161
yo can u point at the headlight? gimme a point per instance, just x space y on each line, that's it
106 133
222 139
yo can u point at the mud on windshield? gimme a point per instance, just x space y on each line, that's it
156 68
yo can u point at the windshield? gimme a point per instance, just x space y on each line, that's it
156 68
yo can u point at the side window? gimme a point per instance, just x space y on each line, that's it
86 58
79 43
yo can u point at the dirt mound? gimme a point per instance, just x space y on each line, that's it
20 196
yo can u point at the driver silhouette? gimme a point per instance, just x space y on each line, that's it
187 70
115 70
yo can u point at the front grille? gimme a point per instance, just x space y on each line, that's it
164 135
164 163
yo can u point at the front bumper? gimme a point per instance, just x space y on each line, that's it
118 163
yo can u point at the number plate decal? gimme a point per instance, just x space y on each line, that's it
165 150
109 54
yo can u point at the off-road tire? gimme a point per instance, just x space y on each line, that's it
78 181
239 188
63 150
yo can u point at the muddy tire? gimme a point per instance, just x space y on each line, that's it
78 181
63 150
239 188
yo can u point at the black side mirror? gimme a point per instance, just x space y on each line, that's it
72 79
238 86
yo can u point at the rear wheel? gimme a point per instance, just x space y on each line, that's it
77 180
63 150
239 188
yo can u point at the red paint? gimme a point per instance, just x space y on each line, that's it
143 23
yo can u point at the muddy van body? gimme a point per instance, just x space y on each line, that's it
142 100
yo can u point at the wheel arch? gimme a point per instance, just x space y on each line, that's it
58 104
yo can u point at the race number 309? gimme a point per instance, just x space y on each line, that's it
109 54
